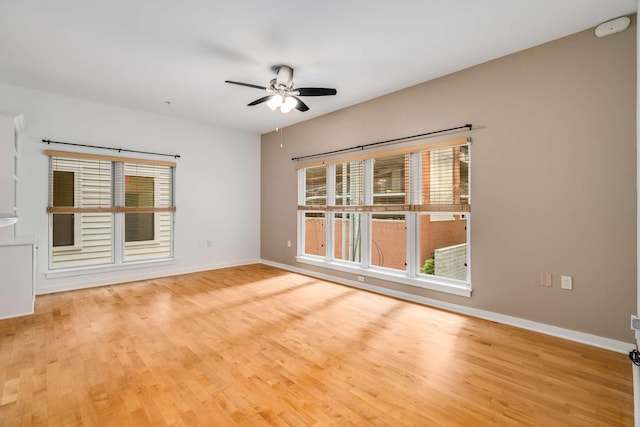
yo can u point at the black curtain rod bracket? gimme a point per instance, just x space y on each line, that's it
388 141
119 150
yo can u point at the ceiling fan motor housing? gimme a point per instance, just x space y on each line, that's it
284 75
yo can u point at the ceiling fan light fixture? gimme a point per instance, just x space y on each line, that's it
275 102
288 104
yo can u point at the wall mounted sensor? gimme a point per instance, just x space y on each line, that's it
614 26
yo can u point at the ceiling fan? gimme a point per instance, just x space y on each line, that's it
282 94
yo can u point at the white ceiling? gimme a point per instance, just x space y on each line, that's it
140 53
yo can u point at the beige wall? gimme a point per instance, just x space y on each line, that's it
553 177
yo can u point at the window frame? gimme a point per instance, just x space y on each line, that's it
411 274
118 211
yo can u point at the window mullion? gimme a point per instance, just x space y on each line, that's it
413 223
468 260
118 217
302 186
329 216
368 182
365 225
415 179
118 184
412 243
301 233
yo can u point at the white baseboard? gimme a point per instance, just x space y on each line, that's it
581 337
135 275
14 315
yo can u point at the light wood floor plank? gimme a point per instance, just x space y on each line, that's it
257 346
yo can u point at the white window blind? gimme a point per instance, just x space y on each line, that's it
315 186
444 179
349 184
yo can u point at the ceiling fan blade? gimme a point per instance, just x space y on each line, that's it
300 106
260 101
316 91
246 84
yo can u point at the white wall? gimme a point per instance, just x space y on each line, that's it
217 180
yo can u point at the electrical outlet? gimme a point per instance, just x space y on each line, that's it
635 322
545 279
288 243
360 278
566 282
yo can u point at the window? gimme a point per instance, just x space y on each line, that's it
315 186
402 215
63 224
346 236
80 195
314 239
390 178
389 241
108 210
138 227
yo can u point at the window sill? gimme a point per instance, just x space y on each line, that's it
82 271
446 286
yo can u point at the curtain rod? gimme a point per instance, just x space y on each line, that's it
119 150
388 141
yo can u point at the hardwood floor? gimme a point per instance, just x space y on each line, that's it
256 345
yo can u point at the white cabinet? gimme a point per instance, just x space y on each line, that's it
17 278
17 256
